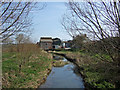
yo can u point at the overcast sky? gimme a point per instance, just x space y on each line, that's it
46 22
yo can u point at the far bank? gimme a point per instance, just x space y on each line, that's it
96 72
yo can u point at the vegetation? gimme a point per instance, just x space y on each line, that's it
100 22
60 63
27 68
25 65
97 73
15 17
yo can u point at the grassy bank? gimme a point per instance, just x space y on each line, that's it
60 63
19 71
31 75
97 73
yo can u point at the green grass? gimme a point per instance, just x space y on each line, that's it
30 71
101 75
98 72
100 56
98 77
8 54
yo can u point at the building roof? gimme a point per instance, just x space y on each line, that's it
46 39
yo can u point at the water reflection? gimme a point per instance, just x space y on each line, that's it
64 77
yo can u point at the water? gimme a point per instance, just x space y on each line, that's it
57 57
64 77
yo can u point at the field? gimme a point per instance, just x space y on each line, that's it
25 69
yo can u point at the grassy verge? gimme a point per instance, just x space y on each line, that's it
31 75
97 73
60 63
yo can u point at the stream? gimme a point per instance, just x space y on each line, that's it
66 76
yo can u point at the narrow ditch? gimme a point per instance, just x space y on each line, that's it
67 76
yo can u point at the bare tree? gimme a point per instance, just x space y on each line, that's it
15 17
8 41
22 38
100 19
